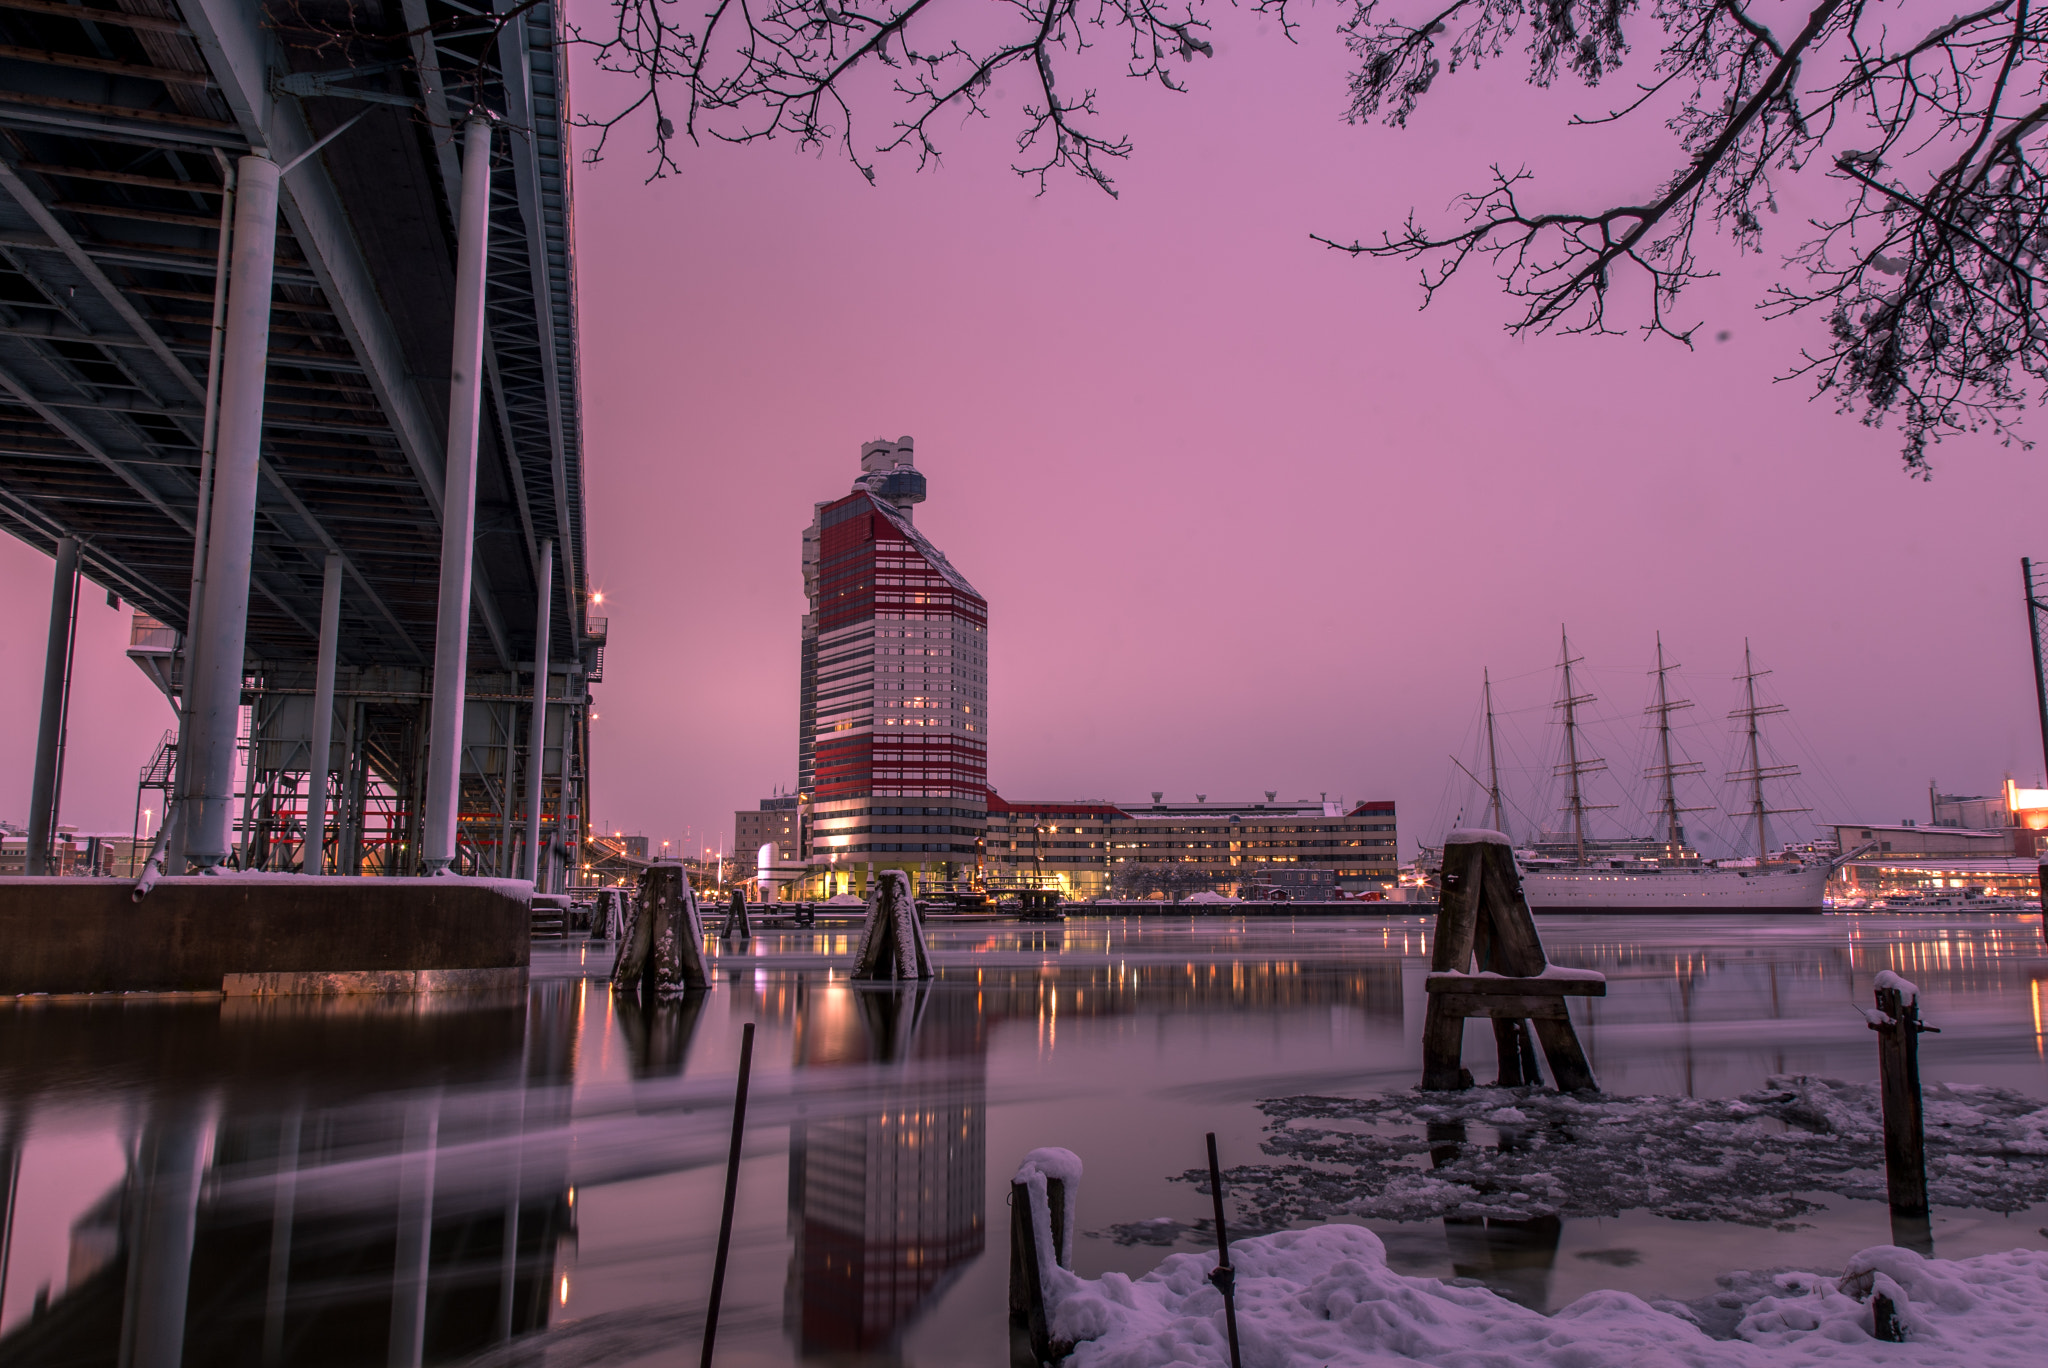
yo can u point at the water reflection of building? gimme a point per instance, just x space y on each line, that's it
886 1199
286 1198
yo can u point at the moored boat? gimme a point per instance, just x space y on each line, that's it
1556 887
1570 871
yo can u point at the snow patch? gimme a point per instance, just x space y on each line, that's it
1480 835
1556 972
1053 1162
1887 979
1326 1297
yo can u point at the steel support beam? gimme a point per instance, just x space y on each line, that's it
512 44
214 695
50 728
458 511
313 853
87 267
241 53
537 728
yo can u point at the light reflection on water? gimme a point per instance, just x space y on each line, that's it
392 1181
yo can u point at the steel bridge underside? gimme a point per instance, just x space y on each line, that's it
119 126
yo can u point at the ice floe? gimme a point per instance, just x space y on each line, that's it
1760 1159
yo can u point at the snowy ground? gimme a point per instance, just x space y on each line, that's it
1761 1159
1325 1298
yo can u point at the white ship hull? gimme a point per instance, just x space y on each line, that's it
1795 889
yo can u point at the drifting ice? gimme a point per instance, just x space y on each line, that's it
1523 1152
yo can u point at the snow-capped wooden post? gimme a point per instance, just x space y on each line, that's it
663 944
1898 1026
605 918
1042 1224
1482 913
736 923
892 940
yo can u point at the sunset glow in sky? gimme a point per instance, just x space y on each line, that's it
1245 518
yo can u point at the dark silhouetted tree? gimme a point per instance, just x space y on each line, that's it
1929 272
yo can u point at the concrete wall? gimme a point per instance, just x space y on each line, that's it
89 936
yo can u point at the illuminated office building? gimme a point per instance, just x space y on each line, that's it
892 750
1079 846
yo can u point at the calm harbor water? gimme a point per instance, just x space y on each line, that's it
537 1179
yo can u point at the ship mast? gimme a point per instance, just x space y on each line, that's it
1666 770
1757 772
1499 816
1573 767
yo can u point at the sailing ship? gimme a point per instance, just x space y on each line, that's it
1568 872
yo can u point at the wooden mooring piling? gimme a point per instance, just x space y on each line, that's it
1042 1225
1483 917
1899 1028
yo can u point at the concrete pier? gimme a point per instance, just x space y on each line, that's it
263 935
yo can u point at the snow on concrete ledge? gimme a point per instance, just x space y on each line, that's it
1325 1298
1469 835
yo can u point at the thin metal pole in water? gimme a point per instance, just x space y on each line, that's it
1224 1276
732 1191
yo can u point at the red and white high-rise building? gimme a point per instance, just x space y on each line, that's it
892 751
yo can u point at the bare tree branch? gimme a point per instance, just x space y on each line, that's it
1930 277
747 71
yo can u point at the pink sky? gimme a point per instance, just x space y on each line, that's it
1245 518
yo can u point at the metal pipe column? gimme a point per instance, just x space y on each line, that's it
56 658
209 442
313 853
537 729
214 693
458 503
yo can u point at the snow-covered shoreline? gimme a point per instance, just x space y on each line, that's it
1325 1298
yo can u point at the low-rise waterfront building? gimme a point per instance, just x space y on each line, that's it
769 841
75 853
1082 846
774 823
1881 859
